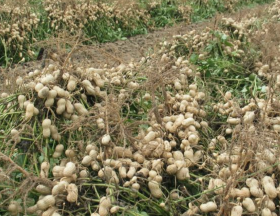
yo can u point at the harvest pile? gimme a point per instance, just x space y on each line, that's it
192 129
274 10
83 16
16 28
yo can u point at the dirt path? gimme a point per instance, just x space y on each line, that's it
133 48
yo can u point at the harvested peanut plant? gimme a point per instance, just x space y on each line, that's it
192 129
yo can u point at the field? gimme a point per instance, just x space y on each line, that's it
140 108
